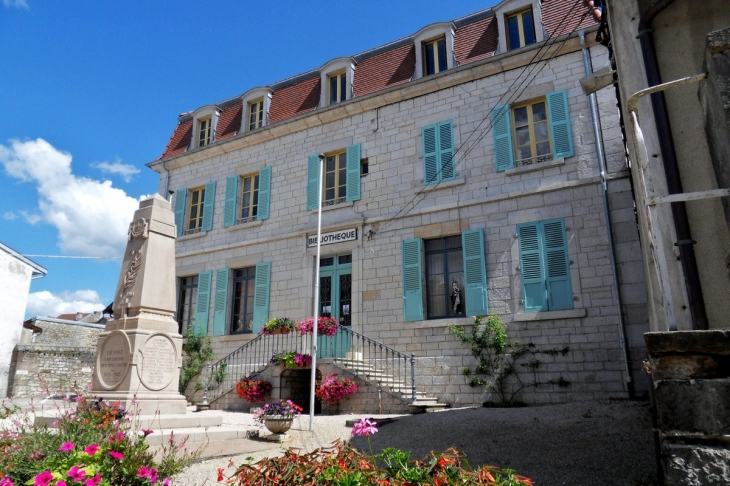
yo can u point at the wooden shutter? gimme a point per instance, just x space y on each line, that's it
502 130
353 172
447 164
430 155
412 287
208 205
202 303
264 193
562 135
557 264
262 286
180 202
532 267
475 272
312 181
220 302
229 212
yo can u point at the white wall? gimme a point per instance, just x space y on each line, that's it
14 286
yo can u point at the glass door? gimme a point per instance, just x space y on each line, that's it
335 299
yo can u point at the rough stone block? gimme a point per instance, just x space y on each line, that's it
694 406
695 465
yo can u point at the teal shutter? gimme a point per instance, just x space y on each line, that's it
208 204
475 272
202 303
262 286
412 288
446 151
229 213
562 135
430 155
220 302
264 193
502 130
559 288
353 172
180 201
312 181
532 267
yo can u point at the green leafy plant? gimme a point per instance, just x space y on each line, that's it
278 325
197 352
498 359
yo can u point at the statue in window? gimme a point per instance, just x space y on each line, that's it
455 298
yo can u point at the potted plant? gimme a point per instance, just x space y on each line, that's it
253 389
291 359
277 417
333 388
326 326
278 325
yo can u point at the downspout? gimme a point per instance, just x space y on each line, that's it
671 168
611 249
166 195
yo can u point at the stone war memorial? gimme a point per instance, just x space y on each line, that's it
139 354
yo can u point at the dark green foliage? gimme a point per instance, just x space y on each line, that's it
197 353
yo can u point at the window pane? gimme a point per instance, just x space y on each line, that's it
344 259
329 165
538 112
543 148
333 90
442 55
541 131
343 86
521 116
523 136
514 33
429 59
528 28
524 152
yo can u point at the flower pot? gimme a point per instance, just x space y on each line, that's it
278 425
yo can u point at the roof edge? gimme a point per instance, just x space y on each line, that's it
38 271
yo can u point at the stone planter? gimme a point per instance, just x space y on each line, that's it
278 425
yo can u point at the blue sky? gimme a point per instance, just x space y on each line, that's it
90 92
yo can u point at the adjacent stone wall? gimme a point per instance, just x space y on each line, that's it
691 378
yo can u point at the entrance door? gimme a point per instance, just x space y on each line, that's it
335 297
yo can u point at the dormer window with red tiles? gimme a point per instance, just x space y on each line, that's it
336 79
256 114
434 49
204 131
520 29
434 56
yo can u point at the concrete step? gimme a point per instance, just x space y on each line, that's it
427 408
213 441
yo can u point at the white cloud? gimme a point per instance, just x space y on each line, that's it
16 3
125 171
9 215
46 304
92 217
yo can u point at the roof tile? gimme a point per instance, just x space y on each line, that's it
386 69
476 41
180 140
563 17
229 121
295 99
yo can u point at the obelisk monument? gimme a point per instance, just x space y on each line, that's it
139 354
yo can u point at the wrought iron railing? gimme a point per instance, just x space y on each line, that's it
361 355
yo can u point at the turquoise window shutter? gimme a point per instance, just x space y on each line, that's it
220 302
412 287
559 287
534 292
264 193
502 130
353 172
180 201
208 205
202 303
562 135
312 181
262 286
475 272
229 212
447 164
430 155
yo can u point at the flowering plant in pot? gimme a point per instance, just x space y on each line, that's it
292 359
278 416
326 326
333 388
278 325
253 389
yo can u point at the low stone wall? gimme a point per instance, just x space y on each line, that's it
43 370
690 372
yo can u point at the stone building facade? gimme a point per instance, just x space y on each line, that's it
440 206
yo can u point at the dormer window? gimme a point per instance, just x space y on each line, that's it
434 49
256 104
204 131
205 120
337 87
336 77
520 29
256 114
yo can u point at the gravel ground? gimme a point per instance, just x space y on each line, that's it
576 444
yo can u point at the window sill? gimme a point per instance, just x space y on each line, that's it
192 237
534 167
241 226
549 315
441 323
346 204
459 181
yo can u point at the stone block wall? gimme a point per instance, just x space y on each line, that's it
40 371
59 332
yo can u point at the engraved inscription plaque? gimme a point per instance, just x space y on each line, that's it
113 360
158 362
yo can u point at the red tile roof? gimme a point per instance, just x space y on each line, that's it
386 69
562 16
294 99
180 140
229 121
476 41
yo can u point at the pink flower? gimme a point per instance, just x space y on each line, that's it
93 481
92 449
116 455
60 483
43 479
364 427
6 481
77 474
143 472
153 475
66 446
166 482
147 432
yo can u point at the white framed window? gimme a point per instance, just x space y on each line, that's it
255 112
205 120
336 77
434 49
519 23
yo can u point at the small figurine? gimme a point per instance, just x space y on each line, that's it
455 298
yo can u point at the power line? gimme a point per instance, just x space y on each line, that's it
73 257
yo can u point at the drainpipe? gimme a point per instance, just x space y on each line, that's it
671 169
166 194
604 186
